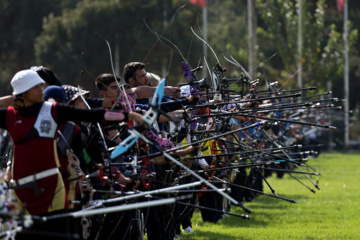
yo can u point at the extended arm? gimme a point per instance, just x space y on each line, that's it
69 113
7 101
147 91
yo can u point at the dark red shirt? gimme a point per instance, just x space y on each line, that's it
39 154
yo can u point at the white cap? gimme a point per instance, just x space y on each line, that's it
24 80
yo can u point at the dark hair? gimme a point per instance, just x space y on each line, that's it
49 76
131 68
103 81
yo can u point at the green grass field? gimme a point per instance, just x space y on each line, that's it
333 212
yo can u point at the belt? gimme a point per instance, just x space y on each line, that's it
34 177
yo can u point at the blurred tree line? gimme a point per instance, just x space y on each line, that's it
69 37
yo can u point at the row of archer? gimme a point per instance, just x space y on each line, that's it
212 127
118 163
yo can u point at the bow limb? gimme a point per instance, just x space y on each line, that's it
122 89
164 30
159 37
217 72
212 78
241 67
152 114
207 44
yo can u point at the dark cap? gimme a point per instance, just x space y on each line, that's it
55 92
72 93
47 75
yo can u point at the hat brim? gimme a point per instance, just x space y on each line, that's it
84 93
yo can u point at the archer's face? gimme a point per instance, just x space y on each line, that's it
34 95
140 79
112 91
79 103
114 135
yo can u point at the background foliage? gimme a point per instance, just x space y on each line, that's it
59 34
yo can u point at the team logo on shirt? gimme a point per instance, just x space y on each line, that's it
45 126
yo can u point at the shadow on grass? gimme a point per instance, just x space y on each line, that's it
260 207
271 215
264 210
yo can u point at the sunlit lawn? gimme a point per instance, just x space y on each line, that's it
333 212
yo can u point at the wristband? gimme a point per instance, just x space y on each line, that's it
126 116
114 116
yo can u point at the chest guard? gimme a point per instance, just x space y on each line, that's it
45 124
